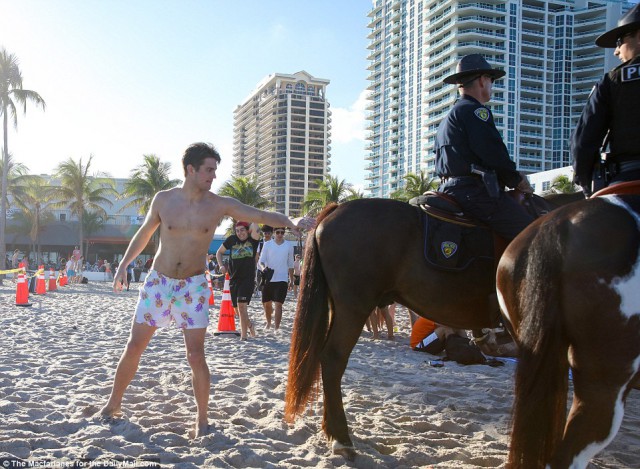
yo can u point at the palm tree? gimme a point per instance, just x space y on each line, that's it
91 222
247 190
17 176
80 192
36 201
415 185
145 181
11 93
563 185
355 194
329 190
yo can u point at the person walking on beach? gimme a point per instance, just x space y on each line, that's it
297 269
242 248
277 255
175 289
267 235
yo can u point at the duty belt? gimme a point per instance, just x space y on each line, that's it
470 178
624 166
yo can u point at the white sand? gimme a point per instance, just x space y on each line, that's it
57 361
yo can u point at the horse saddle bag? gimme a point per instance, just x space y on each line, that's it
452 241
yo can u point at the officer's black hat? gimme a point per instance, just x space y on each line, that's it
473 64
627 24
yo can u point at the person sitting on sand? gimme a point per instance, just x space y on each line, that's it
429 337
187 217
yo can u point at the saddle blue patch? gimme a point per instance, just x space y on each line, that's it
448 248
482 114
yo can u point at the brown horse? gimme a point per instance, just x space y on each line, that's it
569 287
363 254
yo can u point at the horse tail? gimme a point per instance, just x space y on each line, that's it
309 329
541 383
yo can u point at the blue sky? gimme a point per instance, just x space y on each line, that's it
123 78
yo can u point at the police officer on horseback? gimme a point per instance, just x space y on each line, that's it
611 114
471 158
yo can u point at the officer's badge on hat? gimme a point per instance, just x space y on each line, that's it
482 113
627 24
470 65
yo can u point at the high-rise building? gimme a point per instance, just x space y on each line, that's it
546 47
282 137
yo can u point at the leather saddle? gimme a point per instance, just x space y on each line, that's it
622 188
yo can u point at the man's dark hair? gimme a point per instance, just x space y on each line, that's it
197 153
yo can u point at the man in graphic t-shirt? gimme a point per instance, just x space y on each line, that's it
242 248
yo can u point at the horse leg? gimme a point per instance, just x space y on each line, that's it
595 415
342 337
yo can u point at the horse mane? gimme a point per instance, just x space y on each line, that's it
558 199
330 207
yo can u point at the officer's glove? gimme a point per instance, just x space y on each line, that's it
524 186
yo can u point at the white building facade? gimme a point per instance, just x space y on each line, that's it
282 136
546 48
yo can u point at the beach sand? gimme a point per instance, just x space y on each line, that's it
57 361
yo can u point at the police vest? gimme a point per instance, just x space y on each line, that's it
625 100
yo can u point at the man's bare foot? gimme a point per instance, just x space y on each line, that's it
108 414
201 430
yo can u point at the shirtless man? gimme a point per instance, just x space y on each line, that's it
187 217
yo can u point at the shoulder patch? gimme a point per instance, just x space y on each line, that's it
630 72
482 113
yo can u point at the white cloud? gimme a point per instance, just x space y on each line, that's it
349 124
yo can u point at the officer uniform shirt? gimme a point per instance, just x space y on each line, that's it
614 106
468 135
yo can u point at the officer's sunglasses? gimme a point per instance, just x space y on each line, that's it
468 82
620 40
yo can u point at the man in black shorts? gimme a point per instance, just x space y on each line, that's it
242 266
276 254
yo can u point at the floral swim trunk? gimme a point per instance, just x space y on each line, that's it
165 299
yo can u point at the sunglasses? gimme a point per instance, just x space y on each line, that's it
620 40
279 232
468 82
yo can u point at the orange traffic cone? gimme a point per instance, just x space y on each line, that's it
212 300
226 321
22 290
40 284
52 280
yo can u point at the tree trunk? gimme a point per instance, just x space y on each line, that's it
3 203
81 228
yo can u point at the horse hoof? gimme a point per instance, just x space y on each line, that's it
346 451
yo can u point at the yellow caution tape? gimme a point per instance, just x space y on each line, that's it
12 271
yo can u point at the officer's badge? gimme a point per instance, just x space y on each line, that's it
482 114
448 248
